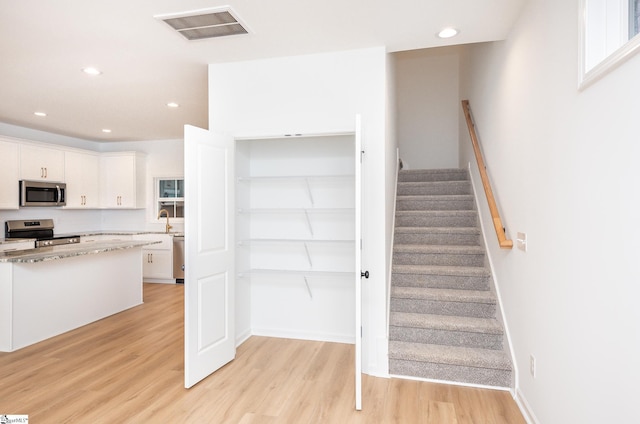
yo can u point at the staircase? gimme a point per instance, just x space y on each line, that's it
443 322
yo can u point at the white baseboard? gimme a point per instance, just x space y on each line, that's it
319 337
525 408
242 337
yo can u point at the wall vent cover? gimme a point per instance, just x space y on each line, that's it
205 23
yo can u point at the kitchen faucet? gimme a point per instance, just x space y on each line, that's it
166 212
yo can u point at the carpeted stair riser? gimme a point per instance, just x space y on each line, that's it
445 337
434 203
404 255
434 187
437 281
424 175
456 373
436 218
440 238
467 309
463 364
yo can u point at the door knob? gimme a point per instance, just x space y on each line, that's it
364 274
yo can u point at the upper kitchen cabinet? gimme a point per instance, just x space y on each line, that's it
82 174
9 175
122 180
38 163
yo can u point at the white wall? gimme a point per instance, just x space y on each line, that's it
563 164
427 104
314 94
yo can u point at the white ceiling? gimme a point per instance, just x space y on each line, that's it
44 45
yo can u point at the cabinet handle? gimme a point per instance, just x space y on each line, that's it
45 172
41 172
151 255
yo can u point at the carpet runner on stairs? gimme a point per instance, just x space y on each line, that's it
443 323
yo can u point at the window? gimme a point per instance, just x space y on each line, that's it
170 196
609 35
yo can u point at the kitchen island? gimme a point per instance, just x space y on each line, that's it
51 290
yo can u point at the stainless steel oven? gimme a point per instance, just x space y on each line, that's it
41 193
39 229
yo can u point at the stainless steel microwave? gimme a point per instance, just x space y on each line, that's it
41 193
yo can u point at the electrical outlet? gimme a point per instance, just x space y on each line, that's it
521 241
532 366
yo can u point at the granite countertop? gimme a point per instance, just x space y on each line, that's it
93 233
120 233
51 253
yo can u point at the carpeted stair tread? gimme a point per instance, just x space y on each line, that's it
450 355
439 249
443 295
470 215
469 271
434 197
445 322
433 175
434 187
438 230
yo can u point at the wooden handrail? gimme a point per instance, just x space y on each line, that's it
504 242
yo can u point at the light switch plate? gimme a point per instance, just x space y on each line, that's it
521 241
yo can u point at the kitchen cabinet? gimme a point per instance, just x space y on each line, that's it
82 176
39 163
122 180
157 259
295 230
9 175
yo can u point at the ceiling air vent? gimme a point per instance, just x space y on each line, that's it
205 23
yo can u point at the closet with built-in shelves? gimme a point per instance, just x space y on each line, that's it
295 229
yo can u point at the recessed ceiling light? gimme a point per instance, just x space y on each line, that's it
106 130
172 104
39 113
91 71
448 33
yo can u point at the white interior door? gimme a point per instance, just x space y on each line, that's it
209 253
358 261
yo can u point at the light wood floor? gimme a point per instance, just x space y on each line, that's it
128 368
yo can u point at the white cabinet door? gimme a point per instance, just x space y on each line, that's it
9 175
209 306
157 259
122 181
41 163
82 176
157 264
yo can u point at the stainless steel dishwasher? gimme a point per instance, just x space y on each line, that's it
178 259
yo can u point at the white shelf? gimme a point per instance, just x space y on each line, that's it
285 178
249 242
295 210
301 273
305 275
